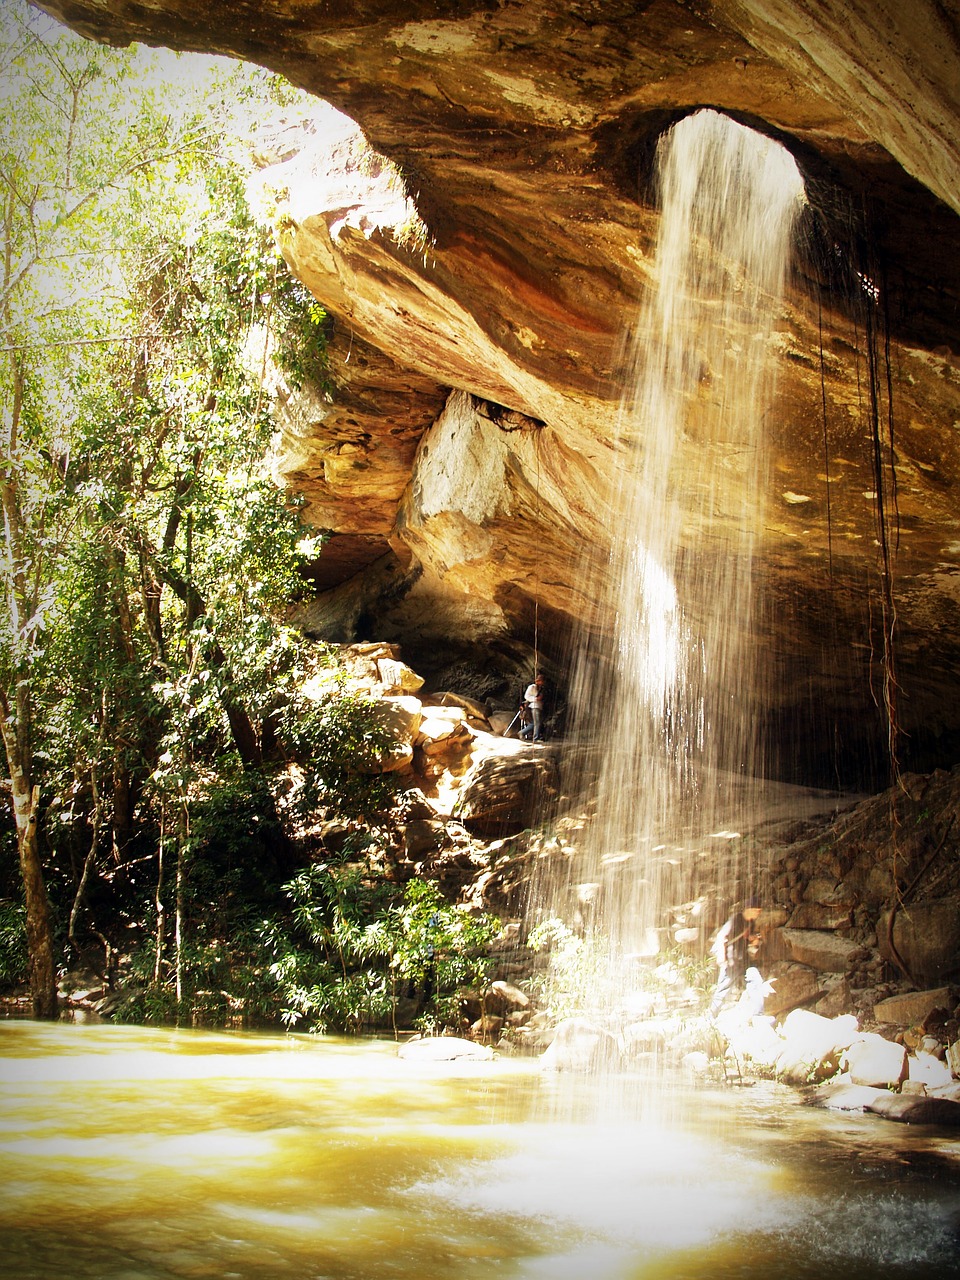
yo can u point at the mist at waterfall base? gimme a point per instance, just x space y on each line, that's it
135 1153
665 702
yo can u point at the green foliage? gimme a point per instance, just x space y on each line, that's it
439 948
13 943
585 972
370 943
579 965
149 562
339 740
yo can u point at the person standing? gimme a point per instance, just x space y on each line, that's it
533 697
734 949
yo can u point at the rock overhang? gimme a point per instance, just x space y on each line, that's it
526 132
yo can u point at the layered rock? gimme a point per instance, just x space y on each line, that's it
467 435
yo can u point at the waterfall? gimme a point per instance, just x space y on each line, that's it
665 702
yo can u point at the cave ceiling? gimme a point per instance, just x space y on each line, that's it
474 369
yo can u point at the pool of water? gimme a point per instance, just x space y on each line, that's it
140 1154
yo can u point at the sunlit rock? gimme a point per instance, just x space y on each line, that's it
841 1095
928 1069
397 677
444 1049
438 724
813 1045
509 995
872 1060
582 1046
758 1041
400 716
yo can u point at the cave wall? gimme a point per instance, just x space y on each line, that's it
475 354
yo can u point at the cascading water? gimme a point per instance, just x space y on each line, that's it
666 700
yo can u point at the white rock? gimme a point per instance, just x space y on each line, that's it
813 1045
444 1049
511 996
580 1045
841 1095
875 1061
929 1069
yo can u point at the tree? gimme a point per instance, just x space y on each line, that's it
145 553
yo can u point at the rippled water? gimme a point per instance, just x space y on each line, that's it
133 1154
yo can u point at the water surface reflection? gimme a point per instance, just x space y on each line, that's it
135 1154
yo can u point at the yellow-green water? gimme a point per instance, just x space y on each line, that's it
136 1154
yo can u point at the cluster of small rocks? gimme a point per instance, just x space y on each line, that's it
445 745
865 907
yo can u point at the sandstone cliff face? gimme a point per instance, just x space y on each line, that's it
463 454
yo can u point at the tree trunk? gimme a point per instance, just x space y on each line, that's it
43 975
183 836
88 863
26 812
161 914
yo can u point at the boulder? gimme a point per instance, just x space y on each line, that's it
509 996
422 836
444 1049
822 951
793 985
913 1110
401 717
828 892
397 677
696 1062
438 724
487 1027
401 714
872 1060
912 1007
841 1095
581 1046
926 939
913 1089
503 794
813 1045
835 997
757 1041
928 1069
819 915
476 710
